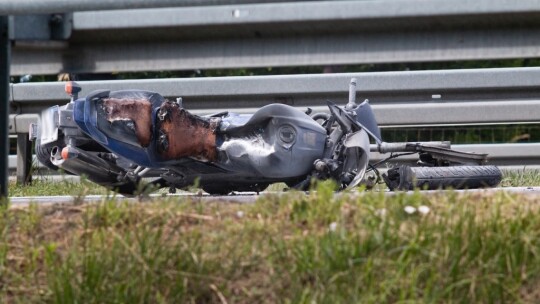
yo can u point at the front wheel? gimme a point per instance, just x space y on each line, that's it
431 178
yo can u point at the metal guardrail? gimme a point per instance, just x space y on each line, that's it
429 98
434 98
254 34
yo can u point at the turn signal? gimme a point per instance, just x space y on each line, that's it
72 88
65 153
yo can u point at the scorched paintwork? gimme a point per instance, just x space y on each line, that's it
137 111
182 134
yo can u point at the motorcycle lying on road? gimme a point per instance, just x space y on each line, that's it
119 139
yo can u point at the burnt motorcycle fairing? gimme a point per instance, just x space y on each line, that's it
121 121
181 134
145 128
278 141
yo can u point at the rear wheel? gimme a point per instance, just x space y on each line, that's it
430 178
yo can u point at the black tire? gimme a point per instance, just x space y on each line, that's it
217 189
431 178
133 188
225 188
126 189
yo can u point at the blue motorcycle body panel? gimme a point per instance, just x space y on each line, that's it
88 116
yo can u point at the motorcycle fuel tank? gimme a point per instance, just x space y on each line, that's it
277 141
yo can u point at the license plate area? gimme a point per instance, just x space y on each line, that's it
49 125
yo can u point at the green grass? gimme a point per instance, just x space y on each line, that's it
44 187
290 248
521 178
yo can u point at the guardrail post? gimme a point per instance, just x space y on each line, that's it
4 106
24 159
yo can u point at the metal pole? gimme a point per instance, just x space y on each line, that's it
24 159
4 106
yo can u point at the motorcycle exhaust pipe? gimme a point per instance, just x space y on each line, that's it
56 156
80 162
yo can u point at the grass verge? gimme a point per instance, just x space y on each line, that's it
290 248
521 178
49 187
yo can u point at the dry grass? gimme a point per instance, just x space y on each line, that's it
285 248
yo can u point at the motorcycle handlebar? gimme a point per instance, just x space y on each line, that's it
385 147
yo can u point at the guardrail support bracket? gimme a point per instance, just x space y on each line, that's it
24 159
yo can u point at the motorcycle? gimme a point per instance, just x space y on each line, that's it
120 139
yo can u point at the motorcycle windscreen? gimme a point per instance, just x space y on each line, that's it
356 156
366 117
